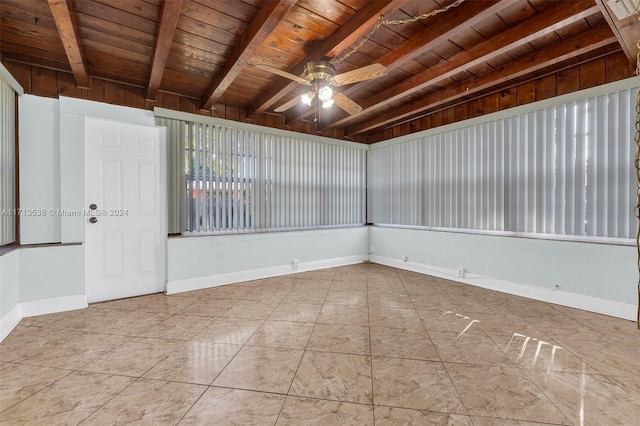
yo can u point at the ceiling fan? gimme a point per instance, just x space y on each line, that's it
321 76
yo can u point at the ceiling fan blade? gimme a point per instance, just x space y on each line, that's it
360 74
282 74
288 105
347 104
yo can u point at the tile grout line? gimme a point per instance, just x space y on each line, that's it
439 356
373 395
136 379
210 385
86 332
304 352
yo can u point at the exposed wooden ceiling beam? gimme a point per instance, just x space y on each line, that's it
556 53
68 30
271 13
441 29
625 30
164 37
456 21
538 26
346 35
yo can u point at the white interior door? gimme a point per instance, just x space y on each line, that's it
125 234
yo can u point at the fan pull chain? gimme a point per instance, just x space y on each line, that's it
382 21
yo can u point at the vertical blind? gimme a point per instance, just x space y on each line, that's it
232 179
7 163
567 170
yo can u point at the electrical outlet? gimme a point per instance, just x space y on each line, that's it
461 272
294 263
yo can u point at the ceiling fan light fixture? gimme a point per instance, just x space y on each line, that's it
327 103
321 77
324 94
306 99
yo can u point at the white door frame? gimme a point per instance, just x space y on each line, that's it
161 257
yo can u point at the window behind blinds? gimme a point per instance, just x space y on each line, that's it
566 169
7 164
236 179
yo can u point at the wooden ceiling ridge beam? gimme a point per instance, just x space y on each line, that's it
166 29
625 30
65 20
453 23
572 47
265 21
531 29
346 35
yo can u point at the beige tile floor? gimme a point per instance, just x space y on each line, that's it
355 345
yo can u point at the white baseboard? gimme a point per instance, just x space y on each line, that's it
559 297
51 306
180 286
9 321
39 307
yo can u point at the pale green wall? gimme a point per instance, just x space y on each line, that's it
9 281
53 174
71 175
39 169
52 171
51 272
600 270
222 254
52 177
39 273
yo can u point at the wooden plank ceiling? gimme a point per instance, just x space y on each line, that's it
204 50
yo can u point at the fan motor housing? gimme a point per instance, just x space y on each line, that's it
319 71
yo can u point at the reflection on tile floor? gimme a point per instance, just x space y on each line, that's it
356 345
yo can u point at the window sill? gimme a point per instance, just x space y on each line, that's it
511 234
263 231
8 248
11 247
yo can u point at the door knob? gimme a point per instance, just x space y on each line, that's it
93 206
93 219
